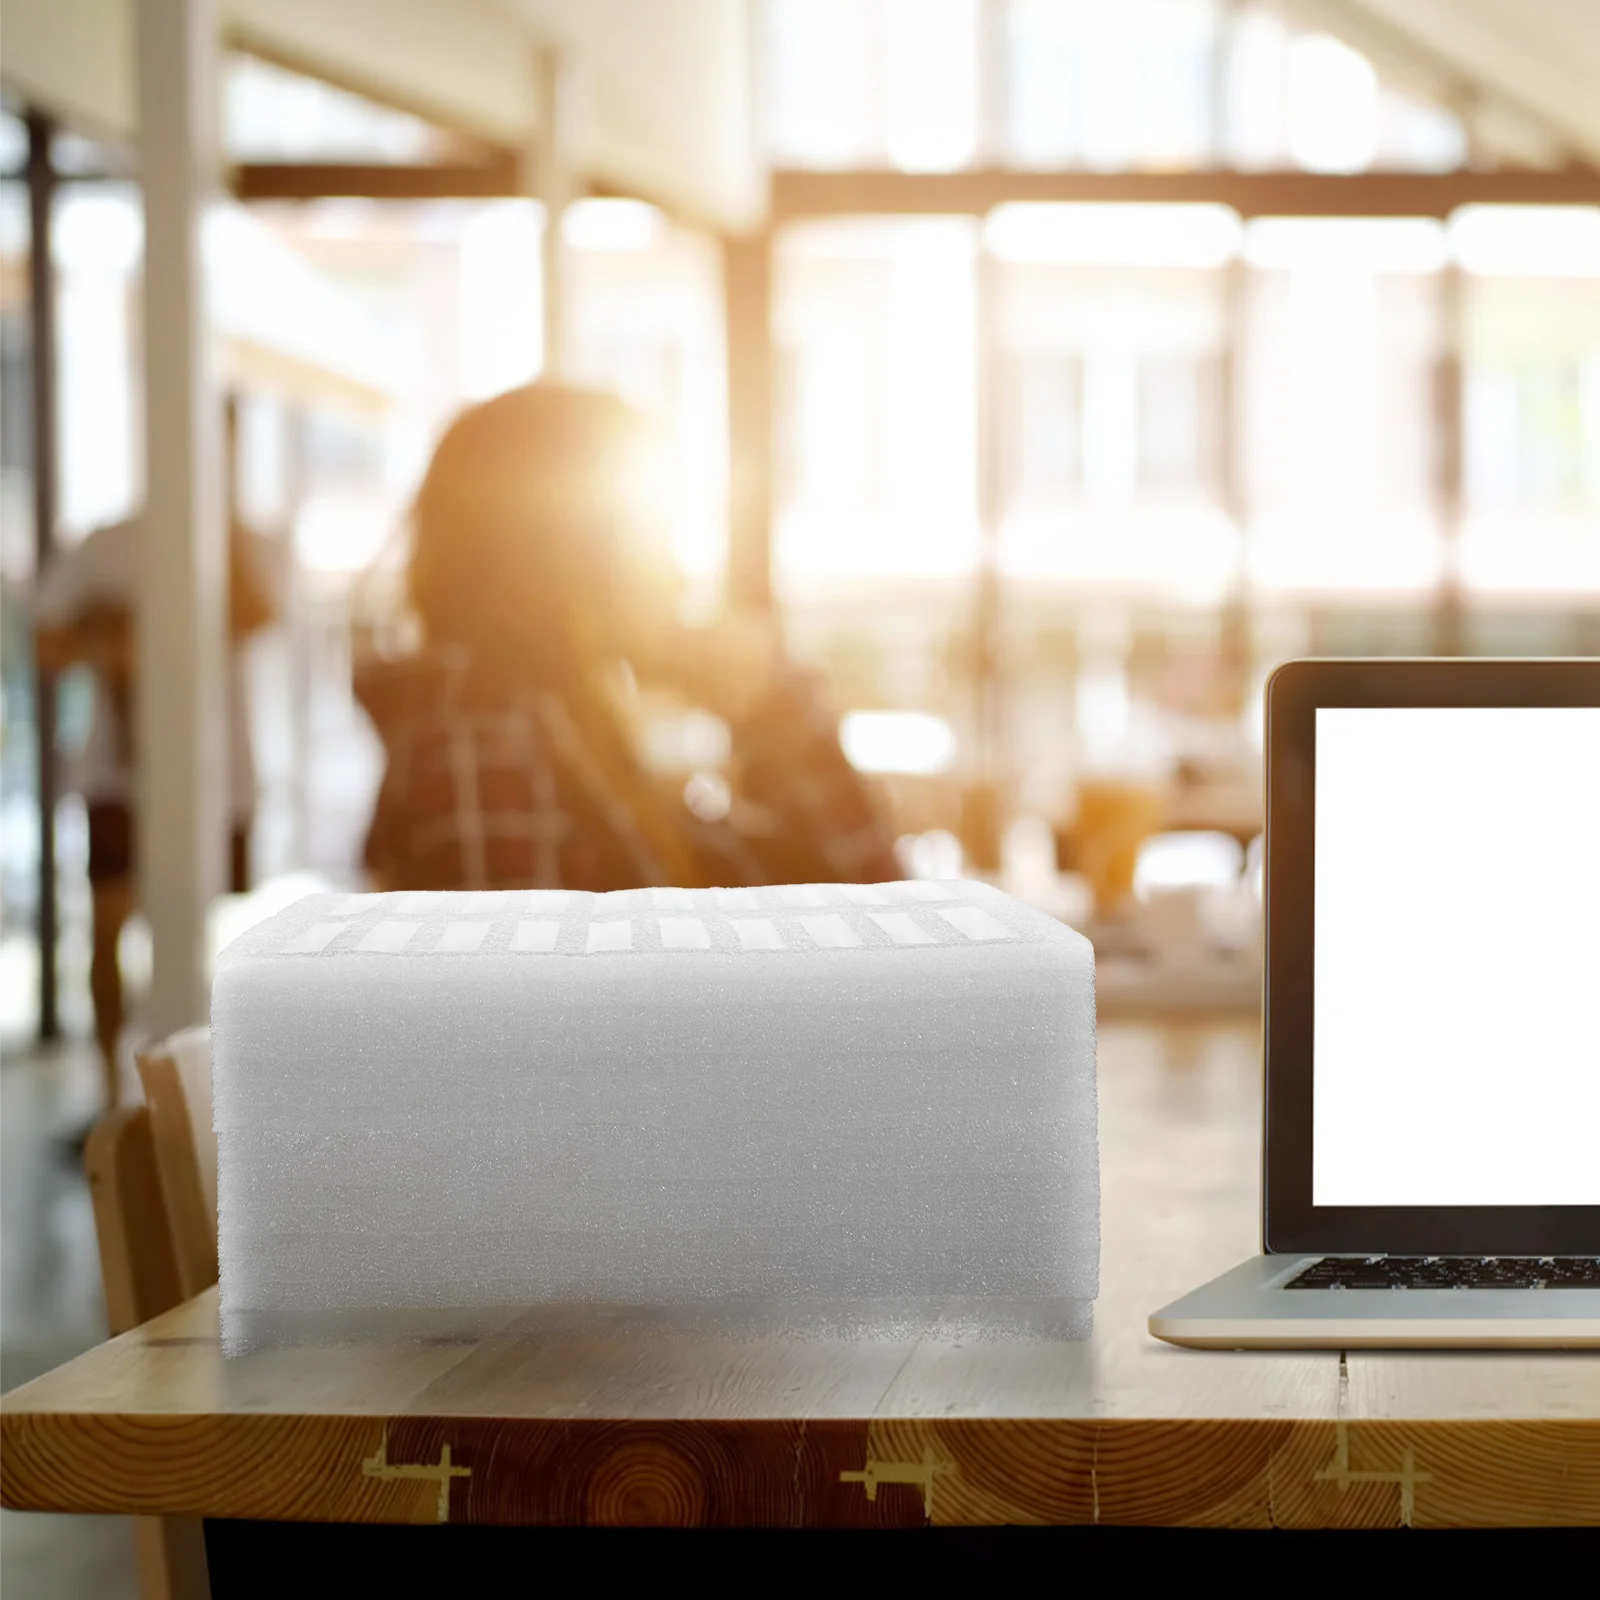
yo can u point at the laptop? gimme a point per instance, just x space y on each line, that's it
1431 1139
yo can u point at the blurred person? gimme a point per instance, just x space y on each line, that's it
542 587
83 616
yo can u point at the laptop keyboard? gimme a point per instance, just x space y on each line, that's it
1449 1272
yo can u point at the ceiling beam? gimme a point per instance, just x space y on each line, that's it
1395 49
496 177
499 175
798 194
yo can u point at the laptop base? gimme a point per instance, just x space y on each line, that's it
1248 1308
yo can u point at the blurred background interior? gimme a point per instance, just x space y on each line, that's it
1052 368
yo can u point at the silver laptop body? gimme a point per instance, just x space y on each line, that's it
1431 1129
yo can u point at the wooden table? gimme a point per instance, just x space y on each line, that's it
593 1427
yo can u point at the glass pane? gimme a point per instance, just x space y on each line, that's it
873 82
1300 99
1042 430
99 251
1255 115
875 322
1332 105
1532 422
272 114
1177 405
824 82
932 51
1340 349
1140 84
13 142
1109 86
645 319
1111 326
1417 137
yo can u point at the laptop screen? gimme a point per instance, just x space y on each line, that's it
1456 1023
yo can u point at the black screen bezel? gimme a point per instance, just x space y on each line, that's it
1290 1222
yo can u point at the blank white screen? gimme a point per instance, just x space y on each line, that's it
1456 1045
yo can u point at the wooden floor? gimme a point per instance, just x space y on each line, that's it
552 1423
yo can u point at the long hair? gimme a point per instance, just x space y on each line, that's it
526 507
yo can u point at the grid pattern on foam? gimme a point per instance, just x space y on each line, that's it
790 918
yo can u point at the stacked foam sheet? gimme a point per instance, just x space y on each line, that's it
866 1104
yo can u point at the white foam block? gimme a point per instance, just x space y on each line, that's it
434 1108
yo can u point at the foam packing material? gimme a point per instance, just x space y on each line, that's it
830 1105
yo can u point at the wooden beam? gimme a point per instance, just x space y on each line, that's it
495 178
500 175
552 160
1448 407
983 797
797 194
747 302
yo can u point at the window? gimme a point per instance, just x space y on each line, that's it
828 428
1044 432
788 460
1099 84
16 446
879 315
1178 398
1550 434
1525 428
272 114
341 448
1095 85
873 82
647 372
823 60
16 392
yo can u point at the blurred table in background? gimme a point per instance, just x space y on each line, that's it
1181 953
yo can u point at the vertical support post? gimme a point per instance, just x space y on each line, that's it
42 316
981 820
300 622
551 180
747 309
1236 643
1449 620
182 651
1237 622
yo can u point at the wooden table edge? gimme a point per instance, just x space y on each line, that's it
794 1472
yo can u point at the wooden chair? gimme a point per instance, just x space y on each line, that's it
176 1075
152 1172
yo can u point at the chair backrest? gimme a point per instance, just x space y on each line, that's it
176 1075
139 1268
137 1262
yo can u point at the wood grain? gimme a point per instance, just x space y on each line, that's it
140 1275
554 1424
